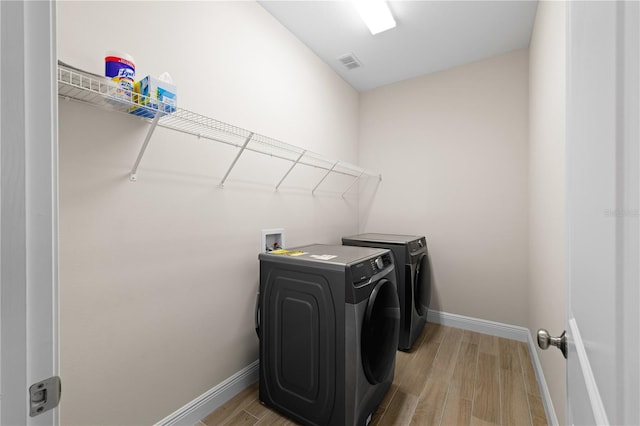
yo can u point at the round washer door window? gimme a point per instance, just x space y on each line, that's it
422 286
380 330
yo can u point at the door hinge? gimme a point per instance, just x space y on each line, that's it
44 395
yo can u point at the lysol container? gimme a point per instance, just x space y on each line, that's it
120 68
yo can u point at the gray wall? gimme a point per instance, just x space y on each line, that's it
158 277
547 188
453 149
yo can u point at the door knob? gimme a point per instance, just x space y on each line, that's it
544 340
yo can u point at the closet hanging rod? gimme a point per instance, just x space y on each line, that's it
92 89
238 145
353 173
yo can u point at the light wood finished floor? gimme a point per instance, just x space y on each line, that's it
451 377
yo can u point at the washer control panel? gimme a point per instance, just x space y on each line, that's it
363 271
379 263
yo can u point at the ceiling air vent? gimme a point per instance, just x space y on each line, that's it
350 61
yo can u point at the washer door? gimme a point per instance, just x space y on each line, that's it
422 285
380 330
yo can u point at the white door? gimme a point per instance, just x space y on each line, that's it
602 295
28 209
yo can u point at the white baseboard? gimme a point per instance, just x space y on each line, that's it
491 328
552 419
199 408
506 331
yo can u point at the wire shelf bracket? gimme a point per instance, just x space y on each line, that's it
352 184
291 168
235 160
133 174
324 177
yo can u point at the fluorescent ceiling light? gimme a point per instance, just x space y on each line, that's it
376 14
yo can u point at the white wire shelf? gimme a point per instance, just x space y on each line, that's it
101 92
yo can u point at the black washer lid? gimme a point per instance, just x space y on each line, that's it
333 254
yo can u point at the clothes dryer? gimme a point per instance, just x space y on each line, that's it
414 278
328 320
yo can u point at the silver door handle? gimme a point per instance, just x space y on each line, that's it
544 340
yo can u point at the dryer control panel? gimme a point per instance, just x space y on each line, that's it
417 245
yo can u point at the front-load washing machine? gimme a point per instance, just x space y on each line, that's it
414 279
328 321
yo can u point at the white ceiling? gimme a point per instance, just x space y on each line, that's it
430 35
